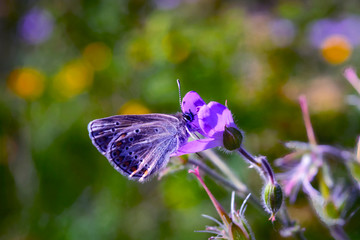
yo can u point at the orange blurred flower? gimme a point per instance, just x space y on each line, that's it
335 38
336 49
27 83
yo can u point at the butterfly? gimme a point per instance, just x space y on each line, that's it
139 146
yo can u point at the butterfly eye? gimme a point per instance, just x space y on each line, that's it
188 117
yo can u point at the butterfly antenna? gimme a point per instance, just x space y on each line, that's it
179 87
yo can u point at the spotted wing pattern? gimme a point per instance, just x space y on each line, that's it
138 146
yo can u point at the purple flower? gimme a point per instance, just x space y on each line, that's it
209 120
36 26
303 165
300 173
347 27
191 104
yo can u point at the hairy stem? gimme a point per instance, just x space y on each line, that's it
225 182
306 117
283 217
260 162
241 188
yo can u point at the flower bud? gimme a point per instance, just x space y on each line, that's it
232 138
273 197
238 233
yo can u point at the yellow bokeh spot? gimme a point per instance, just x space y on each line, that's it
98 55
176 47
27 83
74 78
336 49
133 107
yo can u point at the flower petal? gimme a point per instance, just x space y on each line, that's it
213 118
197 146
192 102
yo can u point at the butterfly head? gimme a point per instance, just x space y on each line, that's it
188 117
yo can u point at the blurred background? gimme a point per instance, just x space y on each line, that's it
65 63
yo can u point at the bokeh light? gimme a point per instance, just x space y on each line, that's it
282 32
176 46
167 4
74 78
98 55
325 95
133 107
27 83
336 49
36 26
139 53
335 39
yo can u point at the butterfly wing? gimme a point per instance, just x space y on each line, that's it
137 146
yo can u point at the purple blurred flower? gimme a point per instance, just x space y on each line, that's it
167 4
347 27
300 172
208 120
304 163
36 26
282 32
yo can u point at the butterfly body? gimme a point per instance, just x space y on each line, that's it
138 146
